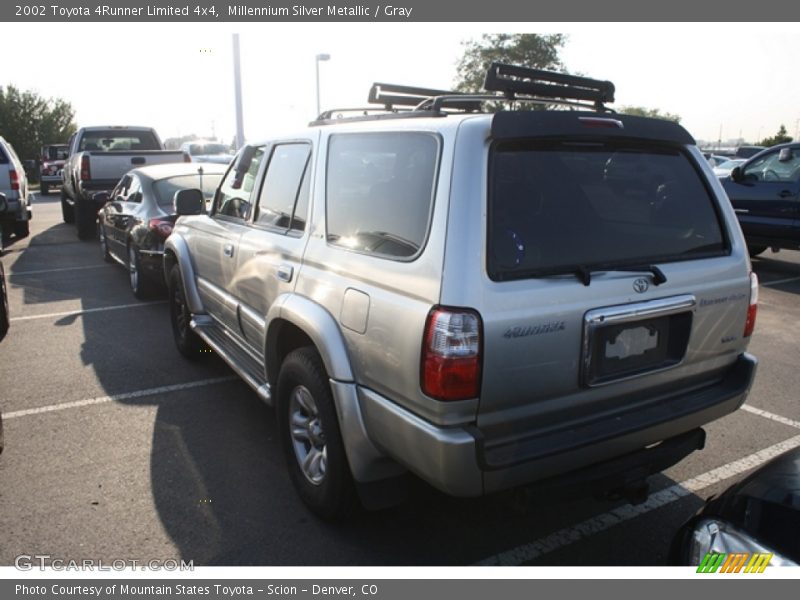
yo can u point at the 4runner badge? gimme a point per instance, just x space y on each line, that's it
641 285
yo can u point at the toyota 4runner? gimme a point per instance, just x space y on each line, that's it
488 300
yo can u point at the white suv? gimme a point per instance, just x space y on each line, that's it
14 184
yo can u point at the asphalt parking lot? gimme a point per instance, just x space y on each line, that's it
117 448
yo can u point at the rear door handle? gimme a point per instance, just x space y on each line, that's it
785 194
285 273
227 250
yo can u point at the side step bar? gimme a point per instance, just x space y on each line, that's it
231 351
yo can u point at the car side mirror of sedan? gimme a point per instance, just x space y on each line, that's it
189 202
736 174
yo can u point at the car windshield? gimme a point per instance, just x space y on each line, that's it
560 207
201 149
165 188
730 164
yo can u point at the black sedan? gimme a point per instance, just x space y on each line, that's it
139 215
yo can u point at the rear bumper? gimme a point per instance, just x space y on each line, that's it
458 462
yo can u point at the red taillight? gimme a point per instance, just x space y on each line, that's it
161 227
86 173
12 174
451 354
750 324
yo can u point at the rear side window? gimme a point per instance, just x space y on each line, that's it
380 191
3 157
559 207
165 188
118 140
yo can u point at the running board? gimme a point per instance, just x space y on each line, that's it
231 351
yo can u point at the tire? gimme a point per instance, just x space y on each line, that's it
4 320
756 250
45 189
22 229
85 220
104 243
67 210
187 341
141 286
309 434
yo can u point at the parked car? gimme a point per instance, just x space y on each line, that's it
748 151
206 151
14 185
98 158
139 214
486 300
765 193
51 164
715 159
760 514
724 169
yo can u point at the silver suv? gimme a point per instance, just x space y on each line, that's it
487 300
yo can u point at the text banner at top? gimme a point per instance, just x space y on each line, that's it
397 11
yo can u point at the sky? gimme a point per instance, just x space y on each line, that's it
724 80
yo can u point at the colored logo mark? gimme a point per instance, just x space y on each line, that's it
745 562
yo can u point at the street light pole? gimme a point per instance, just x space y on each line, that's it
320 57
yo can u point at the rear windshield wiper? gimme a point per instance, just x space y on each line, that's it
584 274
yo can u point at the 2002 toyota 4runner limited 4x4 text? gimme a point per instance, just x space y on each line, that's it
489 301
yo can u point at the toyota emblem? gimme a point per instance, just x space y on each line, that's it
641 285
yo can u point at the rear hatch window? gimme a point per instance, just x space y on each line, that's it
561 206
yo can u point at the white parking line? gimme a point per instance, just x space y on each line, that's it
771 416
85 311
779 281
166 389
38 271
586 529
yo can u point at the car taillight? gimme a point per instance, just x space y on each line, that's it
750 324
161 227
12 174
86 173
451 354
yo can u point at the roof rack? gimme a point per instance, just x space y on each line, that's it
516 84
391 95
512 80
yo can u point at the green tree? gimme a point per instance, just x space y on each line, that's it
29 121
779 138
526 49
641 111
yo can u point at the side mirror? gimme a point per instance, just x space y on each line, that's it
785 155
737 175
100 197
3 203
189 202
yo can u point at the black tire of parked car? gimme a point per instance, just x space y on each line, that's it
45 189
4 318
334 497
187 341
85 220
756 250
141 286
22 229
104 244
67 210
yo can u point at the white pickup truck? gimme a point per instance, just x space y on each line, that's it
98 158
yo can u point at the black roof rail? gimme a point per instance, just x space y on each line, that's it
512 80
391 95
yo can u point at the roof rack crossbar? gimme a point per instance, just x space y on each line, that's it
391 95
512 80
